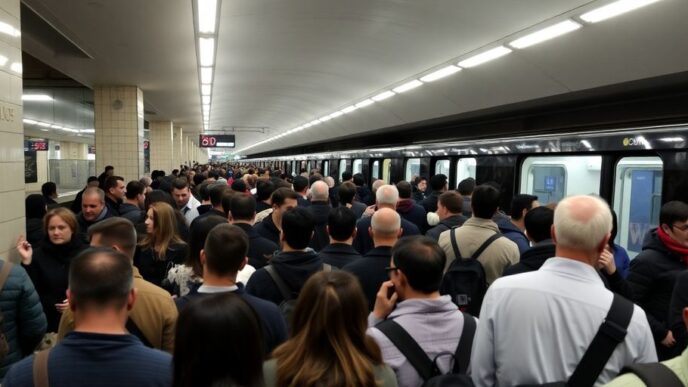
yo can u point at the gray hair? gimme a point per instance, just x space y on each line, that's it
387 194
582 222
95 191
320 191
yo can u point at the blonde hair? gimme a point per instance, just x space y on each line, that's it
65 214
165 230
581 222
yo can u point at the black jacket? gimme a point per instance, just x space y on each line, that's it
293 267
112 206
430 202
365 195
84 224
203 208
321 213
679 301
532 259
448 223
76 204
414 213
210 212
370 271
259 248
302 202
261 206
131 212
268 230
34 231
364 243
338 254
155 270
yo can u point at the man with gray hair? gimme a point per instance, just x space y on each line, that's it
320 209
386 196
561 311
93 210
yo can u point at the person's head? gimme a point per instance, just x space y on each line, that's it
314 177
330 181
347 192
438 183
417 266
297 228
181 192
449 203
385 227
203 192
198 233
175 172
242 209
320 192
239 185
114 187
466 186
218 342
264 188
341 225
35 207
359 179
224 251
538 223
405 189
146 181
60 225
101 286
157 195
387 196
485 201
347 176
92 181
136 192
49 189
282 200
216 192
92 203
109 170
377 184
300 184
421 183
582 226
673 219
521 204
116 233
330 314
161 227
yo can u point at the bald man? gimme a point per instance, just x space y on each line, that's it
320 209
385 230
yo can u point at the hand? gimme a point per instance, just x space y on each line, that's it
669 340
606 262
25 250
383 305
370 210
63 306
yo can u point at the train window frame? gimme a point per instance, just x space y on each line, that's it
574 167
460 178
448 168
407 176
326 167
386 170
355 162
342 168
375 170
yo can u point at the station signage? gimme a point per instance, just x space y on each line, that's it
216 141
36 145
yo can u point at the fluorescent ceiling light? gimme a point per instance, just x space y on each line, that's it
586 143
545 34
56 126
408 86
30 122
314 122
365 103
206 51
37 97
308 125
205 99
43 124
206 74
383 96
16 67
205 89
70 130
207 15
3 60
9 29
486 56
336 114
664 139
614 9
87 130
441 73
325 118
349 109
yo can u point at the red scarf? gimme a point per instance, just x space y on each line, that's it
672 245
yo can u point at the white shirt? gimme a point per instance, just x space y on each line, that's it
190 210
535 327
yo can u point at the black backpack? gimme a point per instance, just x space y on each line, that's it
426 368
654 375
465 280
287 305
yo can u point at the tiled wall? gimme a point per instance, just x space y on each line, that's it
119 130
178 146
161 146
11 131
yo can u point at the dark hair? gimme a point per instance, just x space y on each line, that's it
438 182
673 211
213 174
359 180
109 168
203 191
300 183
242 207
227 196
538 223
346 175
115 231
297 227
134 189
180 183
421 260
100 277
198 233
264 189
521 202
313 178
198 179
615 230
281 195
216 191
239 185
91 179
48 188
341 223
452 201
225 249
347 192
405 189
111 182
157 195
175 172
485 201
34 206
466 186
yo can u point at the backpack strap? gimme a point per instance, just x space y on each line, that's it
136 331
608 336
485 245
40 369
654 374
281 285
408 347
455 246
5 273
463 352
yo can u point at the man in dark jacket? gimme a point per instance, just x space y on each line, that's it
320 209
538 224
408 209
653 272
132 207
283 199
114 193
242 214
109 171
76 204
341 227
438 183
216 192
93 210
449 207
347 193
300 185
49 191
264 188
513 227
363 193
465 188
294 264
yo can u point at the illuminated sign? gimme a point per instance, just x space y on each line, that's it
216 141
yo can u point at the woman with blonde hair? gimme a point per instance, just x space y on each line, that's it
162 247
328 345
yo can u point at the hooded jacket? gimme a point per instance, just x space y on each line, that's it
515 234
414 213
321 214
533 258
444 225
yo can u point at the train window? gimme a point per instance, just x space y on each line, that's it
553 178
342 168
442 167
357 166
326 168
465 168
386 168
375 173
637 200
412 169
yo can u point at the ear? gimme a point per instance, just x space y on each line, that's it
604 243
685 316
370 231
203 258
133 295
117 248
327 230
400 232
70 300
243 264
666 228
523 213
553 234
353 236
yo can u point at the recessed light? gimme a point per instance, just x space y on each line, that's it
37 97
206 51
207 16
441 73
206 89
484 57
383 96
408 86
545 34
206 74
614 9
364 103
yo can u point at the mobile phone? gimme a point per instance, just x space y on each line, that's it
390 291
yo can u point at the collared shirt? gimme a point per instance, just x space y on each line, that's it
217 289
435 324
678 365
535 327
190 210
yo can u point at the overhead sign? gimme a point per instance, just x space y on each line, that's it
216 141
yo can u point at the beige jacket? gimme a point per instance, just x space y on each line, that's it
501 254
154 313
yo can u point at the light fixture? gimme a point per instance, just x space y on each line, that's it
325 118
87 130
546 33
37 97
207 14
383 96
206 74
43 124
314 122
206 51
484 57
672 139
586 143
348 109
205 99
441 73
16 67
336 114
30 122
614 9
205 89
9 29
364 103
3 60
408 86
56 126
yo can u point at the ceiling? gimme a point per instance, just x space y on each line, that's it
281 64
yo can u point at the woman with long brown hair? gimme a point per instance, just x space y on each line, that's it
162 247
328 345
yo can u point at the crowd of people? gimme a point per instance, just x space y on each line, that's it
231 275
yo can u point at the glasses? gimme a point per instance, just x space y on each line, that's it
682 227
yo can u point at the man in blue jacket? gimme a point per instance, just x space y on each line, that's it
514 226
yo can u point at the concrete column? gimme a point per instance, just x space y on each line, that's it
185 149
12 221
178 146
119 130
162 146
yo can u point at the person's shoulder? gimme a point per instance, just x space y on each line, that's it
262 307
147 289
626 380
385 374
20 374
